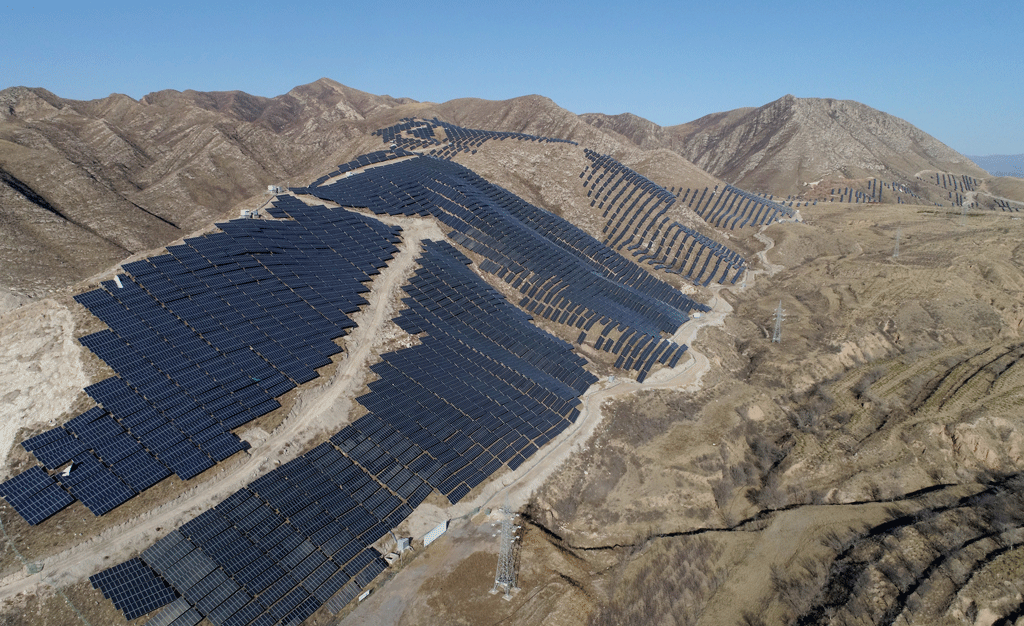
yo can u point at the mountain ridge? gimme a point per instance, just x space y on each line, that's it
102 179
784 145
146 172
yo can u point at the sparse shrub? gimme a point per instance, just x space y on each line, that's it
809 410
833 541
799 585
864 384
751 618
669 586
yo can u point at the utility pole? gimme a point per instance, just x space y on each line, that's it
505 575
779 316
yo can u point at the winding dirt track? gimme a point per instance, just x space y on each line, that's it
326 409
319 410
387 605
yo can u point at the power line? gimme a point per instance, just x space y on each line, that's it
505 575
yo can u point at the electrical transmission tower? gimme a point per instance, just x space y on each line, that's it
505 575
779 316
963 214
896 251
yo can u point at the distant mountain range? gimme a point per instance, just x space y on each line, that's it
84 185
1001 164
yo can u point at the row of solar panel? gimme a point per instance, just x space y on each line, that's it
635 187
308 524
489 226
361 161
203 340
658 227
413 134
735 208
134 588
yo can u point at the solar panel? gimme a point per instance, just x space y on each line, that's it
134 588
482 388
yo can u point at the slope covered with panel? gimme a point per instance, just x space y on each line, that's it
483 389
561 273
203 340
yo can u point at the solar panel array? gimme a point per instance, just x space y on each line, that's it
484 388
633 194
880 191
735 208
203 340
35 495
134 588
417 134
1006 205
680 249
954 182
562 273
177 613
638 221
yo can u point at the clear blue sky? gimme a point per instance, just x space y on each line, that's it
954 69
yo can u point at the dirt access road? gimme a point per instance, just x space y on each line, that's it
387 605
323 409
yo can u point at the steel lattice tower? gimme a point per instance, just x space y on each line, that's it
779 316
505 575
896 251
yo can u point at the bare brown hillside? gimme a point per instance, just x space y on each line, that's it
785 145
84 185
801 140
